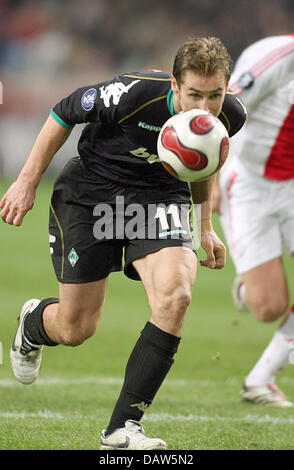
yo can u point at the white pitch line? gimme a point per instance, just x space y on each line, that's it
49 381
160 417
244 419
45 414
53 381
117 381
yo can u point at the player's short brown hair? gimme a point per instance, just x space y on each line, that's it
203 55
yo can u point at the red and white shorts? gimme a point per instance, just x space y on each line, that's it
257 216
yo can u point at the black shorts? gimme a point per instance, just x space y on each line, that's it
94 222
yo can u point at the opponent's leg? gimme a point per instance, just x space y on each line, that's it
265 291
168 276
259 386
69 320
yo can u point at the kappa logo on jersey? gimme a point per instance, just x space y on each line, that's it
149 127
115 91
88 99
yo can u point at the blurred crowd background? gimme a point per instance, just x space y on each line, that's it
48 48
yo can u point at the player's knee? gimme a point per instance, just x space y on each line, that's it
182 300
169 311
270 310
75 337
174 302
78 332
179 300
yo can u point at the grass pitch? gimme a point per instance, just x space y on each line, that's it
198 407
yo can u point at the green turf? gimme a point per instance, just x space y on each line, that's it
198 407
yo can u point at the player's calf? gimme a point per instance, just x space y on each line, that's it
147 367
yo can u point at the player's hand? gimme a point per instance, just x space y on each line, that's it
16 202
214 248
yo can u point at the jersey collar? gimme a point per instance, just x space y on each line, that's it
169 99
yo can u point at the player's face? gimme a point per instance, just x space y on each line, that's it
198 91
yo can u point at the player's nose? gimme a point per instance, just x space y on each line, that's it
203 105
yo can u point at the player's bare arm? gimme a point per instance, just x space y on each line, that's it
216 195
20 196
216 252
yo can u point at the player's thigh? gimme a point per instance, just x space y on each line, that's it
267 289
80 251
161 225
168 276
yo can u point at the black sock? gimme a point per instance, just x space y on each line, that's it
147 367
34 329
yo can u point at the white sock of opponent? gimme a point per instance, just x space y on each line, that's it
276 356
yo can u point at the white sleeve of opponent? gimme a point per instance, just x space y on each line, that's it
263 68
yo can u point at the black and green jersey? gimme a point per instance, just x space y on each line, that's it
124 117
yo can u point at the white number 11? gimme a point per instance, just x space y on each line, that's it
161 214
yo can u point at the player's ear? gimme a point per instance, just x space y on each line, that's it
174 84
228 81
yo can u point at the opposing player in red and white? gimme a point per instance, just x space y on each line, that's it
256 203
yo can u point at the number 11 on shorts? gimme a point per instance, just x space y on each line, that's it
161 214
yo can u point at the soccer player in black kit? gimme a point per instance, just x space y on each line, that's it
117 160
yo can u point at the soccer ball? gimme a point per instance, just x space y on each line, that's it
193 145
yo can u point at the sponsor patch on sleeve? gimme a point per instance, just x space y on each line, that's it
88 99
246 80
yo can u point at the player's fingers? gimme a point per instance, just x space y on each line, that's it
220 263
12 215
2 202
204 262
220 258
9 218
210 261
17 221
4 211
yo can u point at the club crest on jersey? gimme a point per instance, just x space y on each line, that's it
88 99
